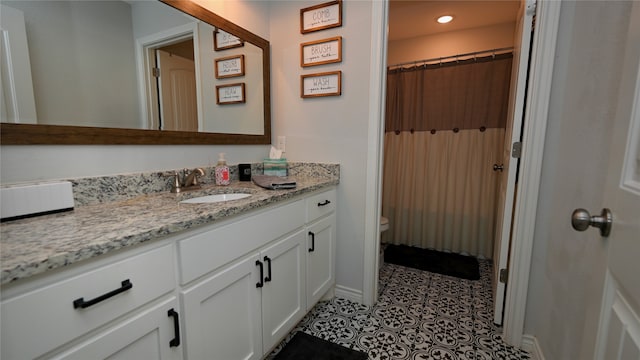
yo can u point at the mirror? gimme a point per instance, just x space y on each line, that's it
229 67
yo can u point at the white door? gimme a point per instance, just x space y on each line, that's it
512 133
619 330
178 106
17 101
222 314
147 335
320 261
283 294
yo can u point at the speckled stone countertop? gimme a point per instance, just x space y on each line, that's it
35 245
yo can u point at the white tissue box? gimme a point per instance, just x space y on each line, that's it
29 199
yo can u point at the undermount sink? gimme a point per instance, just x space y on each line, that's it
215 198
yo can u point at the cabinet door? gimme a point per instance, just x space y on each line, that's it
320 258
151 334
39 321
283 294
222 315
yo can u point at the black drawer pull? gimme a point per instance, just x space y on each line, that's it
176 328
313 242
326 202
268 261
80 303
261 283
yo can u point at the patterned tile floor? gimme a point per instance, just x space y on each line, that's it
419 315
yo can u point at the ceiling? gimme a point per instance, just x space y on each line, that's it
412 18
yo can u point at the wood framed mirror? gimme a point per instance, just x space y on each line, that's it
18 133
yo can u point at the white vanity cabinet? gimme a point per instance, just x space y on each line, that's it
242 309
104 308
229 290
321 232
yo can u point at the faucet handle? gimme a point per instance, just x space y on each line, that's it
196 173
175 186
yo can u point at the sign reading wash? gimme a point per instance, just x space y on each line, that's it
230 94
321 84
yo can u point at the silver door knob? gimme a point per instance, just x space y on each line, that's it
497 167
581 220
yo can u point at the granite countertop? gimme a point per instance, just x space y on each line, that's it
35 245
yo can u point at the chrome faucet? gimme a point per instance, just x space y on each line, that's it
189 180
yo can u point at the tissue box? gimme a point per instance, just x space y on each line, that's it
38 198
276 167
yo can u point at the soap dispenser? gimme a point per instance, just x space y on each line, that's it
222 171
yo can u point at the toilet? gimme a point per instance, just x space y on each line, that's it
384 226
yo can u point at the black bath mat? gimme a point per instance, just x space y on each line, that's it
306 347
460 266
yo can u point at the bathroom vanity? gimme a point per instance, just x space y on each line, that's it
222 281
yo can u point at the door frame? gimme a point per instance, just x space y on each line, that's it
534 131
145 60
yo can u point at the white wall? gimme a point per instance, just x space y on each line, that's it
246 118
27 163
567 270
451 43
70 53
328 129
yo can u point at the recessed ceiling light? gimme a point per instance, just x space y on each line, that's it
445 19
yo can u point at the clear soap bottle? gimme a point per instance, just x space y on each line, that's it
222 171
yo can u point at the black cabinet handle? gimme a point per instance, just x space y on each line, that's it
261 282
326 202
268 261
176 328
313 241
80 303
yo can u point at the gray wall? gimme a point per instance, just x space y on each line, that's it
567 271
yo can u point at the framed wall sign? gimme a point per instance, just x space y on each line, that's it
230 94
230 66
321 84
320 17
222 40
321 52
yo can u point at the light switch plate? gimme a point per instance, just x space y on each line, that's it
282 143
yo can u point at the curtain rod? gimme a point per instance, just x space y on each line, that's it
416 62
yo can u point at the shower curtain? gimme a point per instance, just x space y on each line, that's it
444 131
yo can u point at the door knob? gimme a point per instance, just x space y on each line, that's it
581 220
497 167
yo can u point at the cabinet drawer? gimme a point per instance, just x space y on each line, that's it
320 205
39 321
208 251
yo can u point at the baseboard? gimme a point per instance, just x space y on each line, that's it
530 344
349 293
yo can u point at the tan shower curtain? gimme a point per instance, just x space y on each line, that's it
444 132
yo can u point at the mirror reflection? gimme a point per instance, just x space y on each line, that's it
127 64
